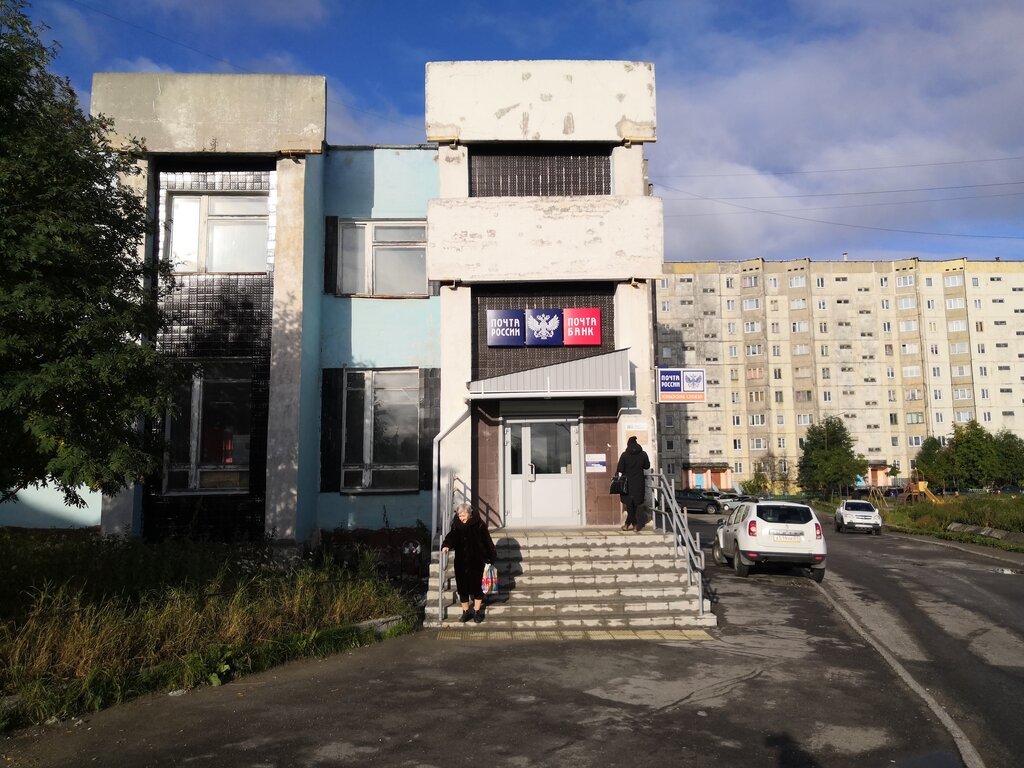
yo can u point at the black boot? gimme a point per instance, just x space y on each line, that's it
466 616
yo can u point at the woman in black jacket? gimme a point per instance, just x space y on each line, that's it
471 542
632 463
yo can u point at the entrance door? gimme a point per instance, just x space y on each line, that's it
542 473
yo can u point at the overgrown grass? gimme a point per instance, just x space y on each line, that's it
86 622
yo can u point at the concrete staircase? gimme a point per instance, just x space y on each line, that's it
589 578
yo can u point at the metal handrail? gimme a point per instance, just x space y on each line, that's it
456 491
676 520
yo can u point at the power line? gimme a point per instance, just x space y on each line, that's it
866 192
830 207
849 226
214 57
839 170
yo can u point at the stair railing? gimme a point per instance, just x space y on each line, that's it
671 519
455 492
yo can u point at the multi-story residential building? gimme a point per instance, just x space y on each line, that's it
899 350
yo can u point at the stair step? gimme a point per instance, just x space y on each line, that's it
688 619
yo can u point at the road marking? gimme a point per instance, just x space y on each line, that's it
969 754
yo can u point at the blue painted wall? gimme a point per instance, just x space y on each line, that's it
376 183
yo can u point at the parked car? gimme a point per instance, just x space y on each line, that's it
858 515
698 500
730 501
770 532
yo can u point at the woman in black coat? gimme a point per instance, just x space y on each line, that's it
632 463
471 542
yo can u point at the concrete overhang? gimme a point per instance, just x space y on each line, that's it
223 114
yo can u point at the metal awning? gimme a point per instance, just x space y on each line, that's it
606 375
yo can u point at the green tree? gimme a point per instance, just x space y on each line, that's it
828 462
756 485
78 369
974 455
1010 450
933 463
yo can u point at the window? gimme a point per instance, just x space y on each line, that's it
773 282
936 394
822 304
826 373
738 467
908 325
664 306
904 281
823 350
749 281
755 373
983 370
754 350
955 303
670 444
797 281
730 305
914 394
729 282
663 282
984 393
938 417
780 419
910 348
666 352
801 349
776 350
758 443
536 170
959 348
757 420
906 302
803 395
890 373
730 327
669 420
380 448
886 327
956 326
885 303
962 417
883 282
981 349
804 419
737 445
911 370
820 282
915 418
823 327
753 326
953 281
933 348
208 435
801 326
894 419
961 393
781 442
779 396
751 304
826 396
218 233
735 397
979 325
381 259
734 350
798 304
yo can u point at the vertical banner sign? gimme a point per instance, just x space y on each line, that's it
505 328
681 385
543 327
582 327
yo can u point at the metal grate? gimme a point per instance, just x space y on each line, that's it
539 171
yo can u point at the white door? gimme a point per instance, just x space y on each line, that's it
542 473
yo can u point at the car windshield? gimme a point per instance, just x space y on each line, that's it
772 513
859 506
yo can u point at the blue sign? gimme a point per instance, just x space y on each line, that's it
505 328
543 327
681 385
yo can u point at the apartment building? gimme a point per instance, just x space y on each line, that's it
898 350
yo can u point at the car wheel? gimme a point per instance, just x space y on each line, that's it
712 509
839 526
717 554
877 531
817 574
741 568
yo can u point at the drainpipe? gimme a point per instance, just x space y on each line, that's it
436 496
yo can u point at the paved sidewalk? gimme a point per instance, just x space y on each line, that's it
781 682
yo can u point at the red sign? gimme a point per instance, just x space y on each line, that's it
581 327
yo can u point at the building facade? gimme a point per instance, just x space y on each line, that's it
369 323
899 350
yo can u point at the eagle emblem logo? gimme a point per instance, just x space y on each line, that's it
693 381
543 326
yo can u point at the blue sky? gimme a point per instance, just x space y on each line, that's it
805 129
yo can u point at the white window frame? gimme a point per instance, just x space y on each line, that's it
206 218
362 282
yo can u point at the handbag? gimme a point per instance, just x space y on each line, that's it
489 583
620 485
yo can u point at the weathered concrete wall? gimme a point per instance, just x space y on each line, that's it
215 113
608 101
544 238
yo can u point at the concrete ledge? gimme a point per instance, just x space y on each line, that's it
1011 537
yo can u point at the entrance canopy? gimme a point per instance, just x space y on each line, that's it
607 375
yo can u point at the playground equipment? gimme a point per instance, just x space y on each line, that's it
876 496
915 489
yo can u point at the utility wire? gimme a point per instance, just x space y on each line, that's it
844 224
838 170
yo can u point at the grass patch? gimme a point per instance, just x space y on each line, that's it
86 621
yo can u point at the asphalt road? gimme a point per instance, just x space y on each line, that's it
951 616
783 681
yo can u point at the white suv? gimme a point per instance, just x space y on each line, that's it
859 515
771 532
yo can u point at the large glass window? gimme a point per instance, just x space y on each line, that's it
218 233
209 430
382 258
381 428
